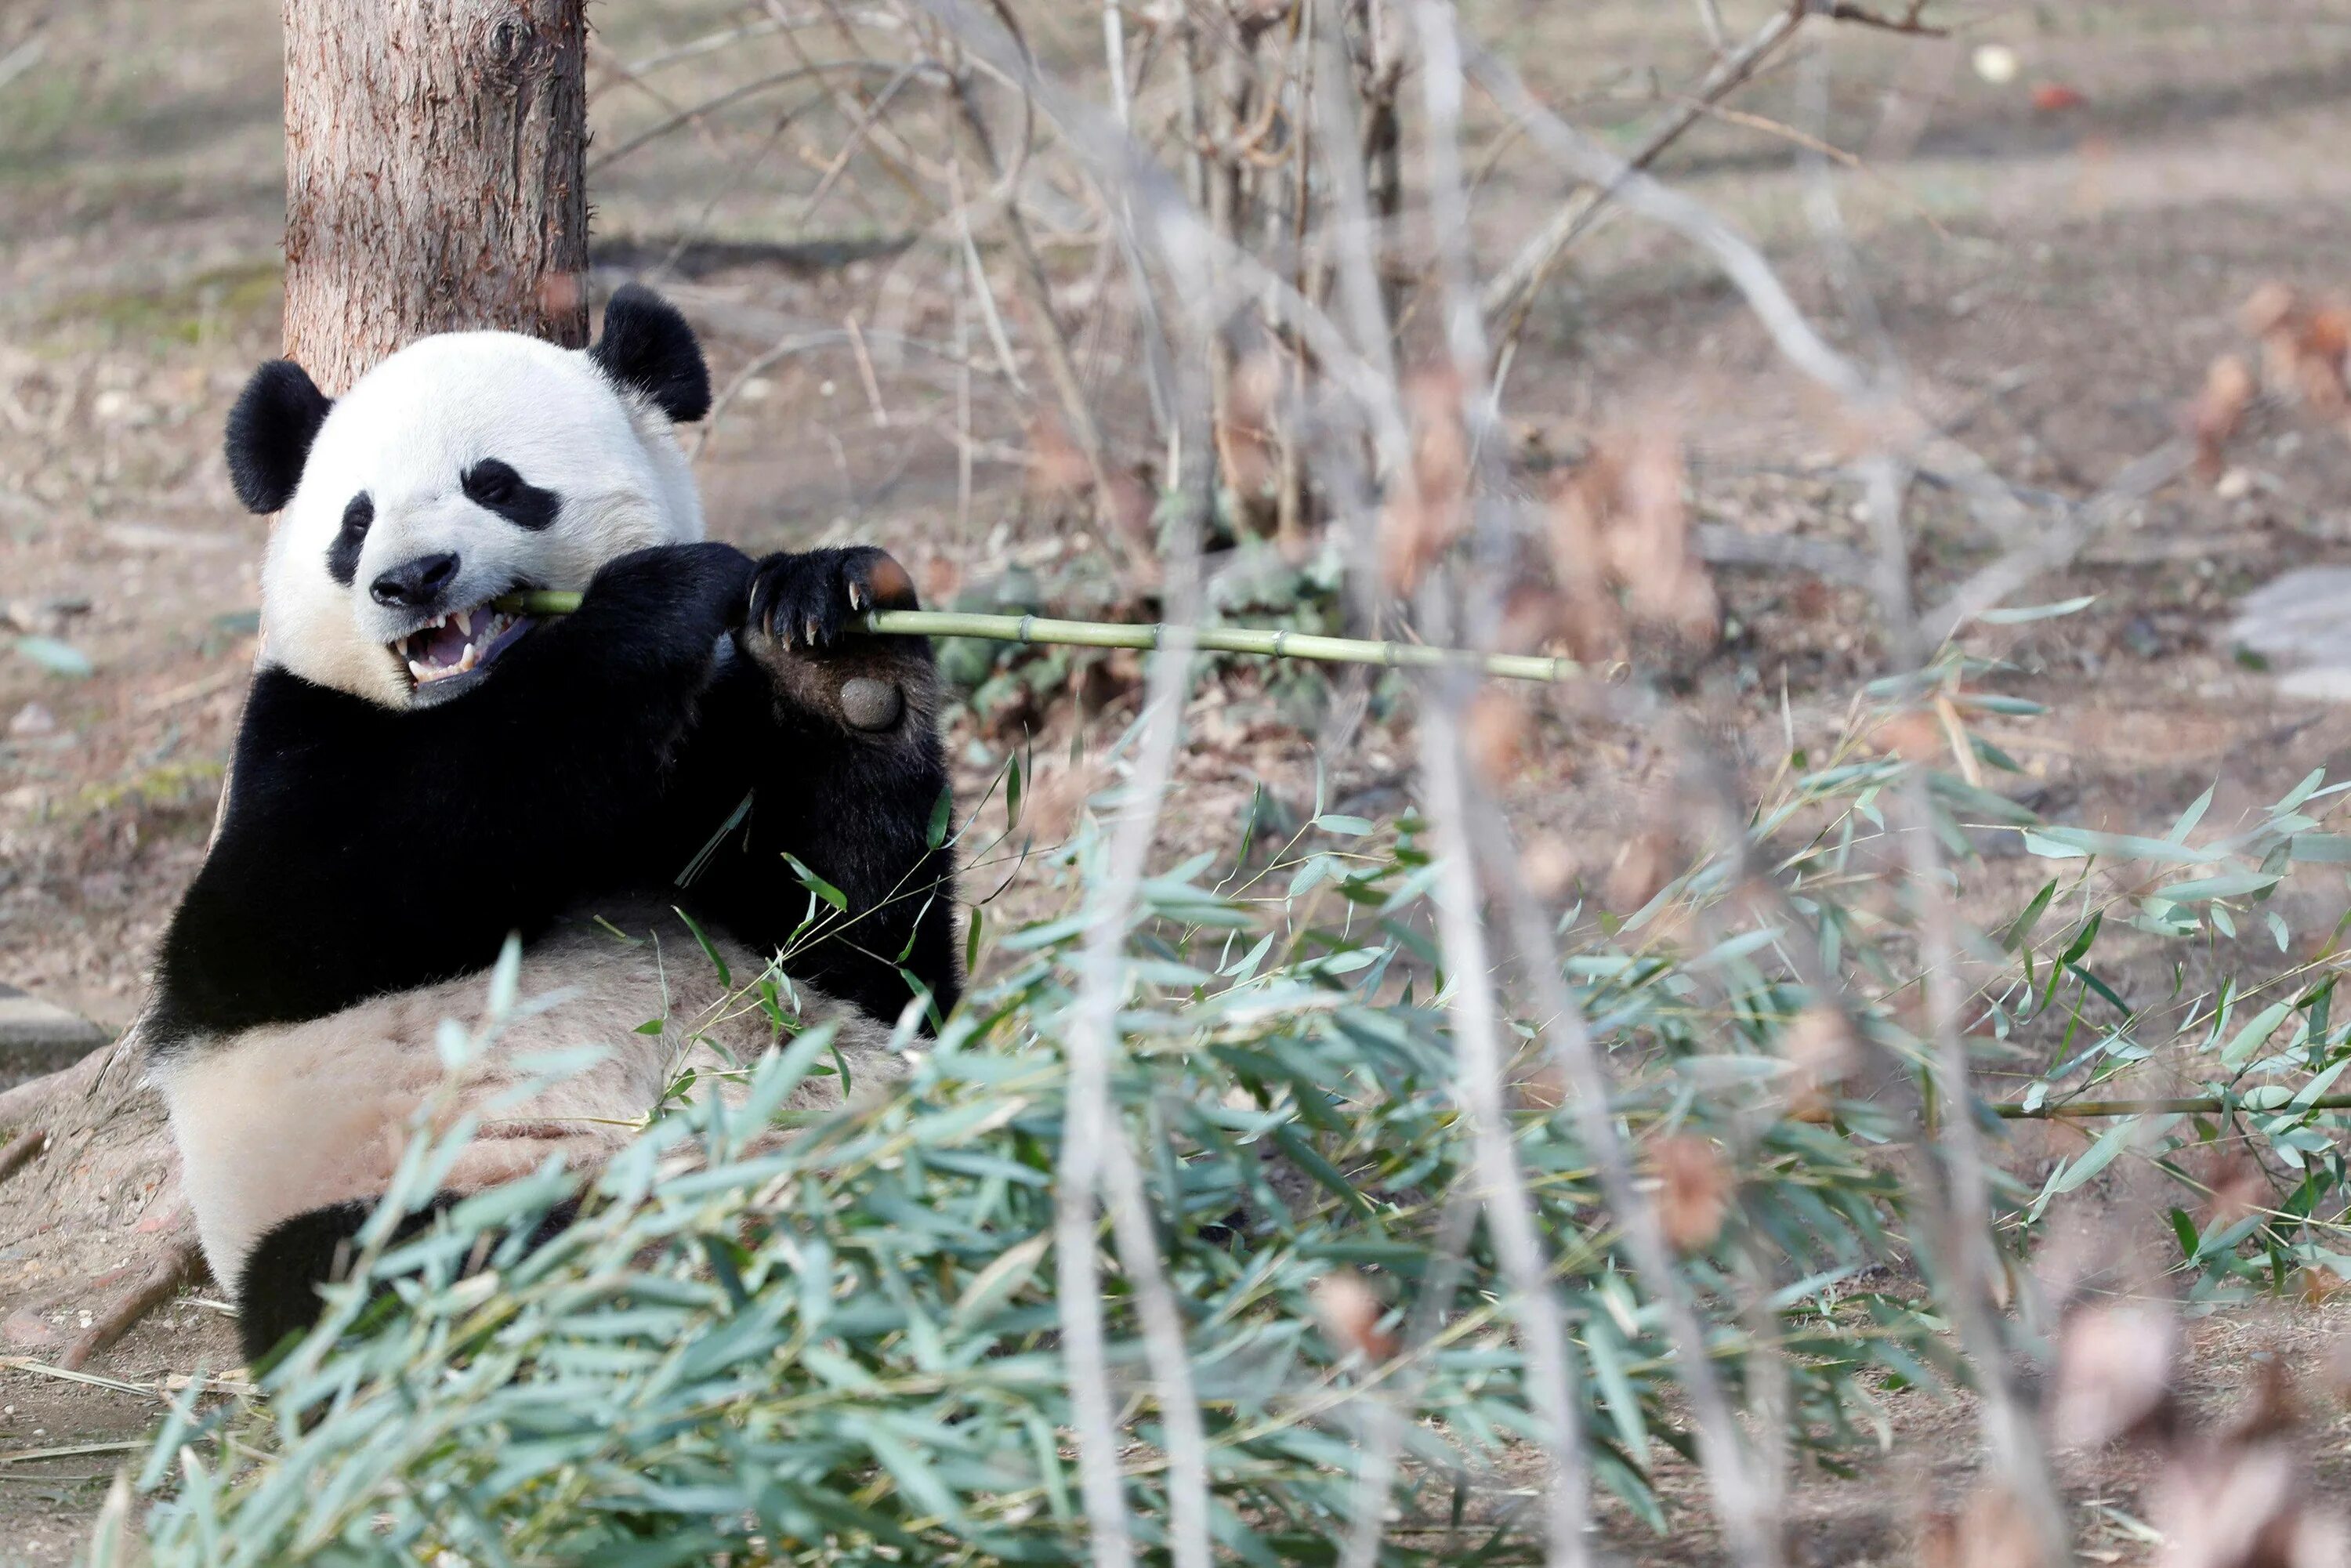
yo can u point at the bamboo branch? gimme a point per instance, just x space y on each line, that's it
1112 634
2192 1105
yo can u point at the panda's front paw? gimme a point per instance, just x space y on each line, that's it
810 600
671 603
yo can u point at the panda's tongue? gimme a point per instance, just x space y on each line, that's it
440 646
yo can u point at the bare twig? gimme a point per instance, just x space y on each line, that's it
1091 1127
1510 1216
1740 262
1989 584
1957 1183
1750 1532
734 95
1863 17
1709 16
1510 292
1061 363
784 348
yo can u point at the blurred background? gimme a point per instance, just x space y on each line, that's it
2057 226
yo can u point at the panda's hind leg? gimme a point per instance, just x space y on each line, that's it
278 1293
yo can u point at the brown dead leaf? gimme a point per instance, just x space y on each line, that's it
2238 1191
2113 1374
1693 1189
1589 617
1550 866
2266 308
1494 735
559 292
2219 411
1423 518
2325 337
2232 1505
1915 736
1640 868
1245 442
1058 470
2303 346
1351 1312
1621 520
1993 1531
942 577
1820 1052
1541 1087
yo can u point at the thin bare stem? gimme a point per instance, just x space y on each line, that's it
1552 1375
1510 293
1740 262
1750 1532
1963 1199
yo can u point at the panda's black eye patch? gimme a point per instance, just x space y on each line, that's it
343 555
496 485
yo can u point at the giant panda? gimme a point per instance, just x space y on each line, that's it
417 775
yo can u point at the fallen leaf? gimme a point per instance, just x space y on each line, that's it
57 658
1693 1190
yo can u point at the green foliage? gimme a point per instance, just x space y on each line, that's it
2259 1040
832 1335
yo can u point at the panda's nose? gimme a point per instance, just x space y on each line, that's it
416 583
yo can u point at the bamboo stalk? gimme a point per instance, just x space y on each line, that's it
2194 1106
1110 634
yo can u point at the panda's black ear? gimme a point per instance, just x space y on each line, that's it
270 430
647 347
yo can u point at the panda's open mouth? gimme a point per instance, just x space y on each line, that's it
458 642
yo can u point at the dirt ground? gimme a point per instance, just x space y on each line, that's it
2055 270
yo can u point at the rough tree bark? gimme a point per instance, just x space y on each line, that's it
435 179
433 174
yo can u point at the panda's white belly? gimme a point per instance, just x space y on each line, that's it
291 1117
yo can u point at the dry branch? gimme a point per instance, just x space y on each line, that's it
1509 293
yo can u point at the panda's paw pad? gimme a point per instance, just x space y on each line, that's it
811 601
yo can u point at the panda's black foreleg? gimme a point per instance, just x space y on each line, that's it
367 849
835 732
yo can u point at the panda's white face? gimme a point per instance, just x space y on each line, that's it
465 466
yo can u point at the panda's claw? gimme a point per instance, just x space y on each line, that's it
812 600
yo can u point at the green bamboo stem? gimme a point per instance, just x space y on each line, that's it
1355 651
1111 634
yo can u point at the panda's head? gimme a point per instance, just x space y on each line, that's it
463 467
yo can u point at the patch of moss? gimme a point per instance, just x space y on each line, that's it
182 313
170 786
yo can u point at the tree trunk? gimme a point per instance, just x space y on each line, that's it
434 175
435 180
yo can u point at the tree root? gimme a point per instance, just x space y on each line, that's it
30 1099
182 1265
22 1151
90 1173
